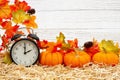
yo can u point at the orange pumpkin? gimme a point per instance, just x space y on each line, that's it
76 58
109 58
51 58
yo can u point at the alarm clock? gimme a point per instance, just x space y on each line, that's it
24 52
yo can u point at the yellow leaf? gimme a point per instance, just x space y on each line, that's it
20 16
60 38
31 22
109 46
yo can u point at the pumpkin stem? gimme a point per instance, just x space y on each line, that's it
76 50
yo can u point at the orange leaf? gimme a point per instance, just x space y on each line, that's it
31 22
4 41
10 32
73 43
5 11
20 6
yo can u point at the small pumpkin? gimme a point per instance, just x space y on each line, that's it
51 58
76 58
108 58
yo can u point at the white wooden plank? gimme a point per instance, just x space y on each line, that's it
74 4
83 35
78 19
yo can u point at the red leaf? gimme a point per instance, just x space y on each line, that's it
3 2
4 41
6 25
15 28
0 21
1 48
20 5
10 32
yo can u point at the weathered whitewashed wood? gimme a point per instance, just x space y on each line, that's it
83 35
74 4
76 13
79 19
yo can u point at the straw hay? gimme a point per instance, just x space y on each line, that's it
58 72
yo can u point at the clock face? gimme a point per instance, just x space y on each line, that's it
24 52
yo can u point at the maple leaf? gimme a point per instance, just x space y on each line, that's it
109 46
5 41
20 5
73 43
31 22
61 42
10 32
9 29
60 38
20 16
6 24
3 2
5 11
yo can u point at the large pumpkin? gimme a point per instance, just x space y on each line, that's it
51 58
109 58
76 58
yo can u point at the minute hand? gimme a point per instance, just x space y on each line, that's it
24 48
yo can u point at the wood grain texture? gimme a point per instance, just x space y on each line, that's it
83 35
74 4
79 19
76 13
82 19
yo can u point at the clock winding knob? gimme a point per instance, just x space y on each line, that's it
16 36
33 36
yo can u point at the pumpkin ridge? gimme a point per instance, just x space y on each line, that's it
58 58
42 58
67 59
48 59
54 58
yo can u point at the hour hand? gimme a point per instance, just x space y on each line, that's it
28 51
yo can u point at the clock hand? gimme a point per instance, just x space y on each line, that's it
28 51
24 48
